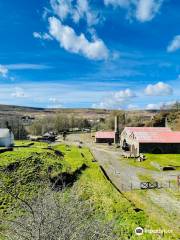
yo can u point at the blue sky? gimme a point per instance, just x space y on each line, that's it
122 54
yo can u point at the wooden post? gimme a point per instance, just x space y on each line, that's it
178 180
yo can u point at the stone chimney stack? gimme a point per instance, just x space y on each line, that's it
116 129
166 122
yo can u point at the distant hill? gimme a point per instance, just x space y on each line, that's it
12 110
6 108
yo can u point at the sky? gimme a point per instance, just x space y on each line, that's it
113 54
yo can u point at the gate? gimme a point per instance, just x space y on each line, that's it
148 185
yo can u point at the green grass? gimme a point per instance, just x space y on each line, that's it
32 169
92 185
145 178
160 159
166 220
74 157
26 142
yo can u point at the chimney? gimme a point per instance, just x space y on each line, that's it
166 122
116 129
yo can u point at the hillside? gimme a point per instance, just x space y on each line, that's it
31 168
80 112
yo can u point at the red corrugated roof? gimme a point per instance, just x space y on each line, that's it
157 137
148 129
105 134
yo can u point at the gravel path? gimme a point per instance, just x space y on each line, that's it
125 177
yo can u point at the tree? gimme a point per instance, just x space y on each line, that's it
58 216
16 125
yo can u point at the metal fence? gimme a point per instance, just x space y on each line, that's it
149 186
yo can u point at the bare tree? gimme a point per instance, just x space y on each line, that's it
58 216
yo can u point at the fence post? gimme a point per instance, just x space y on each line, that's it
178 181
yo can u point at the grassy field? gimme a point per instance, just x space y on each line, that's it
167 219
159 204
25 171
161 160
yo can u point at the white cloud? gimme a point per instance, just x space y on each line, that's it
43 36
70 41
111 103
116 100
127 93
25 66
54 102
159 89
153 106
147 9
161 105
19 93
84 11
77 10
3 71
142 10
61 8
115 3
133 107
174 45
55 106
53 99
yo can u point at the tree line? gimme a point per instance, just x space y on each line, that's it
62 122
58 123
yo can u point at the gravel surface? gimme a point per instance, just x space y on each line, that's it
125 176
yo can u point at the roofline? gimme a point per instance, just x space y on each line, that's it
158 142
